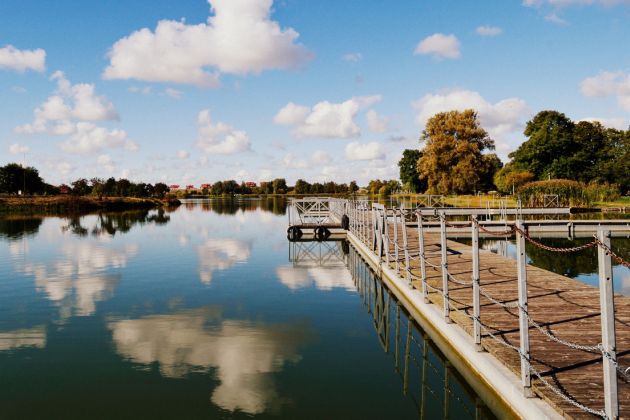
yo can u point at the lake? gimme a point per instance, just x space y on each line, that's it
207 311
200 313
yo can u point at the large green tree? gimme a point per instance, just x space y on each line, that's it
409 175
452 159
15 178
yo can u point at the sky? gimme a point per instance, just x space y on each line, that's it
195 91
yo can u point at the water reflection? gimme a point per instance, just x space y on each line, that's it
245 354
80 278
221 254
30 337
15 227
427 377
112 223
319 264
274 205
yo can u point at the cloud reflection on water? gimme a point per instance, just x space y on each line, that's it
221 254
29 337
245 354
323 278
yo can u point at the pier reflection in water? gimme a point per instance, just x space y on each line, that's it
427 378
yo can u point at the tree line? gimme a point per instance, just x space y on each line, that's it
455 158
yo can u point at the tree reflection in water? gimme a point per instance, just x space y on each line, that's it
275 205
15 227
115 222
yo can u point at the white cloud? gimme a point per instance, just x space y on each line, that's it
106 162
567 3
376 123
352 57
183 154
609 83
325 119
22 60
16 149
323 278
489 30
240 38
364 151
70 111
146 90
554 18
290 161
89 138
439 46
618 123
502 119
173 93
321 157
219 138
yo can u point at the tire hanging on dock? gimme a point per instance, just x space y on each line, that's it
345 222
321 233
294 233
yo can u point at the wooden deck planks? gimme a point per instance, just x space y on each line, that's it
567 308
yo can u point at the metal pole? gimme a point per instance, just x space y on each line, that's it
407 350
447 366
397 348
406 249
446 309
423 264
386 235
425 368
396 241
526 378
475 282
607 305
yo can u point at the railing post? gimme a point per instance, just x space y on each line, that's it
446 309
374 231
406 249
396 241
386 236
607 305
526 379
475 283
423 264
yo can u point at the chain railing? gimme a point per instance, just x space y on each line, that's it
389 226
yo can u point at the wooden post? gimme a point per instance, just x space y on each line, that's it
475 283
526 379
607 308
446 308
423 264
406 249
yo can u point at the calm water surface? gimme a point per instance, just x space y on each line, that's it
201 313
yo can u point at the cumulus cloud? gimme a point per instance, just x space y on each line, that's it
608 83
567 3
352 57
106 162
376 123
439 46
489 30
219 138
16 149
321 157
14 59
325 119
71 111
618 123
364 151
290 161
500 119
240 38
89 138
183 154
173 93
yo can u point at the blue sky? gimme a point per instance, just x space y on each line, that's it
189 91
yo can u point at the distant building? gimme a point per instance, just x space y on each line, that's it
173 187
250 184
190 187
206 186
64 189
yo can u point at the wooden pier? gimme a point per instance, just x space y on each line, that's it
566 342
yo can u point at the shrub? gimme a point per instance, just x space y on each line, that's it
602 192
570 193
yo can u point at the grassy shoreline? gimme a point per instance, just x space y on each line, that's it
68 203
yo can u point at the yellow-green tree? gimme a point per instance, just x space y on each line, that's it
452 161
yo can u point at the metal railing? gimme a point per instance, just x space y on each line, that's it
385 232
